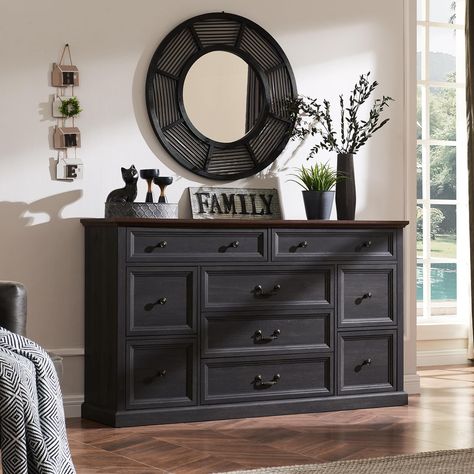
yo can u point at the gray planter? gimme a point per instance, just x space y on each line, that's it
318 204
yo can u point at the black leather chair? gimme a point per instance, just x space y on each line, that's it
13 314
13 307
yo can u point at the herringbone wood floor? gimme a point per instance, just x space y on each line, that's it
441 418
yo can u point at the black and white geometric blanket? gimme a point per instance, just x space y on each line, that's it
32 429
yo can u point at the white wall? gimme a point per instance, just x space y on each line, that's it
328 43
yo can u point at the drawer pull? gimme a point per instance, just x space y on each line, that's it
363 297
232 245
259 383
161 301
259 339
159 245
364 245
366 362
160 373
302 245
259 291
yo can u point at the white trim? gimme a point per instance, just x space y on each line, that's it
441 332
411 384
442 357
68 351
72 405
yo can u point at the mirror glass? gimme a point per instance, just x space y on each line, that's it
217 96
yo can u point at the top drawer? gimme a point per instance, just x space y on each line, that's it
290 245
186 245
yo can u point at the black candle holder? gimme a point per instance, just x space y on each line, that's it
149 175
162 182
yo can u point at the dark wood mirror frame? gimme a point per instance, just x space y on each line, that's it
273 85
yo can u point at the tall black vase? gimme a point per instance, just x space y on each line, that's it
345 188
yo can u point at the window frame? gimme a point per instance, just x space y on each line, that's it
461 199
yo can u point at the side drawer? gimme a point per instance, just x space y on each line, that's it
307 245
229 334
265 287
247 379
161 301
161 373
195 245
367 362
367 295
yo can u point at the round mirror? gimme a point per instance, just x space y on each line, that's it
215 96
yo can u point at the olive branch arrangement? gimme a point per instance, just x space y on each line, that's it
314 119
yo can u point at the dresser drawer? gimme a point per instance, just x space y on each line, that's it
185 245
161 373
161 301
291 245
367 295
247 379
229 334
267 287
367 362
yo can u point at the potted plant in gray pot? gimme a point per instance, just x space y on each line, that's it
313 118
318 182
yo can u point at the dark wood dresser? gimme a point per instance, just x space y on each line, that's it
200 320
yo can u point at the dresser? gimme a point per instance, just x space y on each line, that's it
200 320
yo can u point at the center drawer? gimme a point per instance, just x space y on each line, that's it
265 287
247 379
229 334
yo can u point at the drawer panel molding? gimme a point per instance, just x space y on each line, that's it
241 289
316 245
367 362
229 334
161 301
246 379
367 295
184 245
161 373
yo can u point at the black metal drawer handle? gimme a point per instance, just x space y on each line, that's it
365 296
233 245
366 362
259 383
160 373
302 245
160 301
159 245
259 291
365 245
260 339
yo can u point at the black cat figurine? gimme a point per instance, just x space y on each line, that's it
129 192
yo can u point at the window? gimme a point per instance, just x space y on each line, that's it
442 217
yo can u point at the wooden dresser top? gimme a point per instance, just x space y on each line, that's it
242 223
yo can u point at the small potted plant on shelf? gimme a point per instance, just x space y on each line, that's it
318 182
313 118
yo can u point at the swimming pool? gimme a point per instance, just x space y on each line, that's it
443 282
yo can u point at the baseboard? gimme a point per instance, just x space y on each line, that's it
441 357
411 384
72 405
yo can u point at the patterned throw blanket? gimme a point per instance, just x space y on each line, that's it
32 428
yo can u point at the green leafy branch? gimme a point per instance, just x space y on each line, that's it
313 118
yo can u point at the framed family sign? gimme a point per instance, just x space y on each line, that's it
234 203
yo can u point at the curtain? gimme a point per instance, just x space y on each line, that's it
470 146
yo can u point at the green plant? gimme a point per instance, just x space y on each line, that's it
70 107
320 177
314 119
